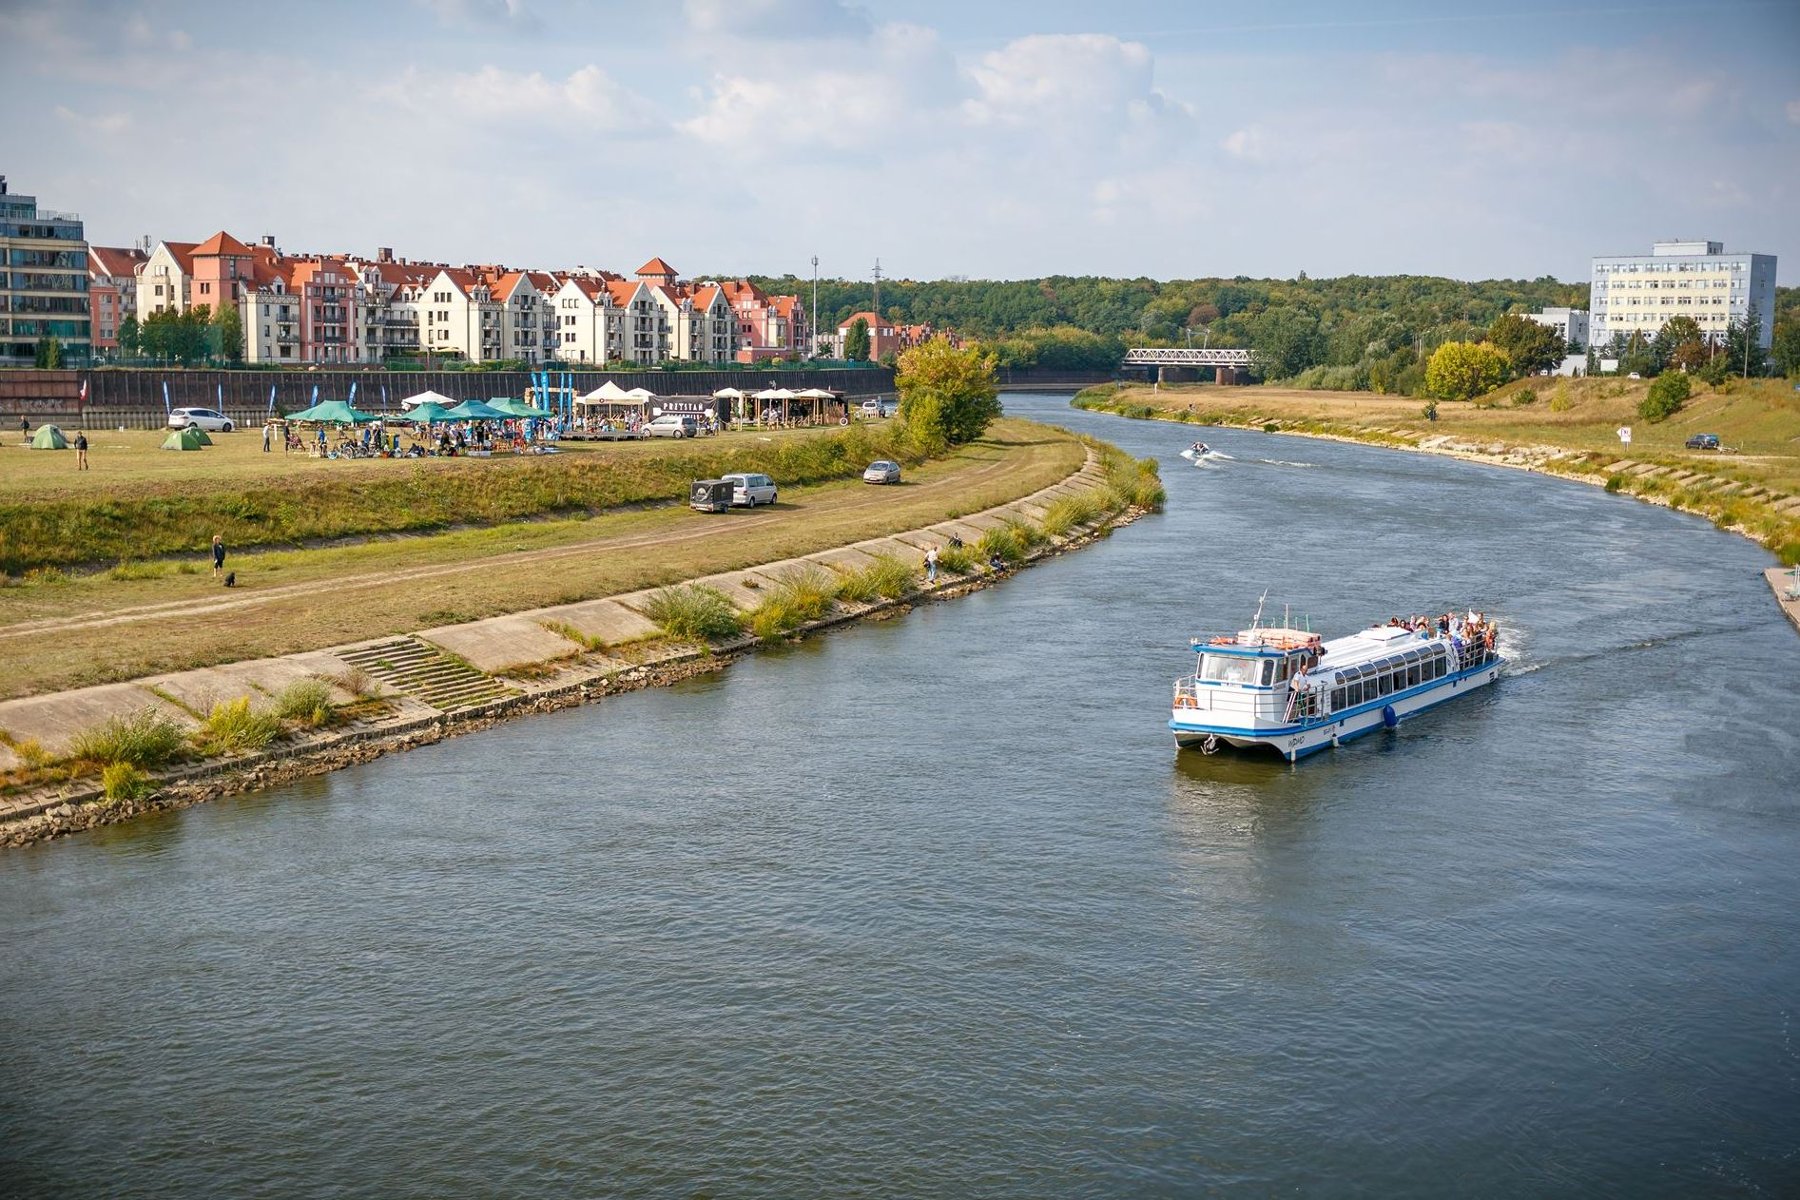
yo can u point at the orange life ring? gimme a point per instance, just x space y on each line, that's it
1186 702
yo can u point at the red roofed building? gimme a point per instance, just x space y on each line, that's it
163 281
884 338
112 291
768 326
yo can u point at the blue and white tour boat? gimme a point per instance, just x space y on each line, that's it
1286 689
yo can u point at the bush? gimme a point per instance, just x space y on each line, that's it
1665 397
1066 512
122 781
1002 543
146 738
359 683
306 701
694 613
234 726
1465 370
1523 397
959 559
1614 482
887 577
802 596
1029 535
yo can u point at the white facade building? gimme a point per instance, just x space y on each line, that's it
1571 324
1638 293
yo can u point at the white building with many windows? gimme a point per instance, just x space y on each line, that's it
1638 293
1570 324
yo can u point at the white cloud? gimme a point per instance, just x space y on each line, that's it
1250 144
495 96
108 123
777 18
513 14
1793 111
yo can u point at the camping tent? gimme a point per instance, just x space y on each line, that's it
429 413
475 410
427 397
49 437
201 434
332 412
183 439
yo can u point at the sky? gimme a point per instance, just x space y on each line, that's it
1508 139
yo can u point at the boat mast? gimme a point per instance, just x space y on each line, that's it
1256 620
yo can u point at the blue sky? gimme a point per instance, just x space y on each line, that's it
976 139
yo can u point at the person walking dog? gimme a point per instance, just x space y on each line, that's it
218 555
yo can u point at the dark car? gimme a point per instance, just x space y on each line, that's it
1703 441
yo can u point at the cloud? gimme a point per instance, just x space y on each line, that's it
1793 111
107 123
777 18
1250 144
495 96
508 14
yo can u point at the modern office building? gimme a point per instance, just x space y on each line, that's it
1638 293
43 282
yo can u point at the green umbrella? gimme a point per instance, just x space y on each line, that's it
332 412
475 410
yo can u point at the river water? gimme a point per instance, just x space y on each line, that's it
932 906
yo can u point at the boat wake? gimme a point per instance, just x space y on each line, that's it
1524 664
1282 462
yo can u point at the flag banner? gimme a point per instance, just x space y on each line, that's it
315 394
165 397
352 400
271 399
84 385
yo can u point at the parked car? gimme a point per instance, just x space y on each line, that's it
209 419
875 408
675 425
750 489
1703 441
882 471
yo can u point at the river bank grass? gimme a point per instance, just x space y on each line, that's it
59 632
140 504
1562 426
147 760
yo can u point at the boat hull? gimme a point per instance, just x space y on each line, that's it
1293 742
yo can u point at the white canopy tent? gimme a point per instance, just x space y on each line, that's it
429 397
608 392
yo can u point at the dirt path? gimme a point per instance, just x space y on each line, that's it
781 516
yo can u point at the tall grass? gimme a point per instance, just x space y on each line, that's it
147 738
801 596
1066 512
305 702
1029 536
123 781
694 613
959 560
1002 543
234 726
887 577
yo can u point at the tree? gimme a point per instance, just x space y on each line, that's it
130 341
1465 370
1285 341
1786 348
1744 354
947 396
1638 358
228 333
1531 347
856 341
49 353
1679 343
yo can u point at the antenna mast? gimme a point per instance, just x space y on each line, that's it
878 291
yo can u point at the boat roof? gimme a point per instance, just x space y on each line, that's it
1266 642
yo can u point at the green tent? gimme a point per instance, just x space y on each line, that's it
49 437
184 439
201 433
475 410
514 407
332 412
428 413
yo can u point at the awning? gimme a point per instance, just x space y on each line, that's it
427 397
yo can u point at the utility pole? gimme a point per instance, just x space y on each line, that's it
878 291
812 351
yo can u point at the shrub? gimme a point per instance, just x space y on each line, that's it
1066 512
146 738
887 577
1614 482
695 613
359 683
1465 370
1029 535
1523 397
305 701
1559 400
959 559
234 726
122 781
802 596
1002 543
31 752
1666 395
1429 412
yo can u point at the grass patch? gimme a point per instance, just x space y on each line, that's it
122 781
139 570
959 559
1030 536
1001 543
146 738
802 596
306 702
886 578
1067 512
586 641
359 683
694 613
234 727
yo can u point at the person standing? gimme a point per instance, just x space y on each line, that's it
931 562
218 555
268 436
81 463
25 429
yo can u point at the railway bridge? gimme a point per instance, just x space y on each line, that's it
1170 364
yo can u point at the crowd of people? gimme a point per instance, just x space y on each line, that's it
1472 629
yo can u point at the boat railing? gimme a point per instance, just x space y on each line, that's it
1187 692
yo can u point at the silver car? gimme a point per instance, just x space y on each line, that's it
882 471
750 489
209 419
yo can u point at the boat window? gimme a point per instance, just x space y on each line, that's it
1225 668
1281 670
1412 675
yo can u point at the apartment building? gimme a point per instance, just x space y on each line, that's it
768 326
112 292
44 286
587 327
1570 324
1638 293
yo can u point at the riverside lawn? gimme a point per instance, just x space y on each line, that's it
1564 426
61 631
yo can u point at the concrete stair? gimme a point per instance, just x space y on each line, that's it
426 674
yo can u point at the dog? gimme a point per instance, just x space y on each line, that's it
231 579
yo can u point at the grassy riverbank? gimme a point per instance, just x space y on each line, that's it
1567 427
61 631
140 503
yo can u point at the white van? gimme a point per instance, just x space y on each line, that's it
750 489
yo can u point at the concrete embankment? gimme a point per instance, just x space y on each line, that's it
457 678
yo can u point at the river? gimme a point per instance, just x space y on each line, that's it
932 906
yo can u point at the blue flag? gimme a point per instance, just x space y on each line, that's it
271 399
165 397
352 400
